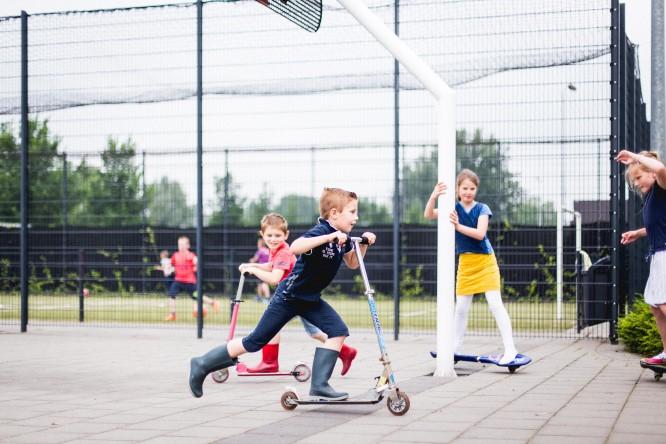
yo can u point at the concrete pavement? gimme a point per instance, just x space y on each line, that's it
113 385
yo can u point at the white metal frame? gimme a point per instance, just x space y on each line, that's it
446 171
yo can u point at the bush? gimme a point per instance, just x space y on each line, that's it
638 330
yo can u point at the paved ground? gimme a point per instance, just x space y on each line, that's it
92 385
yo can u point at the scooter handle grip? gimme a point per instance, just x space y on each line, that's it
361 240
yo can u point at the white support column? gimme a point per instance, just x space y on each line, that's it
446 172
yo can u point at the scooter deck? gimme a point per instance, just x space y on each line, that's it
494 359
490 359
265 374
369 397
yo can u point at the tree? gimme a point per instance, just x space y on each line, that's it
45 175
110 195
372 213
167 204
227 199
258 208
484 156
298 209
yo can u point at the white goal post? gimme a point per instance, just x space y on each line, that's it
446 172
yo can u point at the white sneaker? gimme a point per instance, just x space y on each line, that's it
507 357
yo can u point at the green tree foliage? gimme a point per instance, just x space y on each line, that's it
167 204
298 209
371 213
483 156
110 195
227 198
45 171
256 209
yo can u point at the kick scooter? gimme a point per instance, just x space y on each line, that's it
301 372
397 401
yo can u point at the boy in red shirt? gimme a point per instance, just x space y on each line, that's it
275 231
185 264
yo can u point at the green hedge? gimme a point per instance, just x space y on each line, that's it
638 330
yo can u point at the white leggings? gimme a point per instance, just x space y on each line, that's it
500 314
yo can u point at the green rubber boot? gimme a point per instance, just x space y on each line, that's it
322 368
216 359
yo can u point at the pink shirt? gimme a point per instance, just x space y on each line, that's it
282 259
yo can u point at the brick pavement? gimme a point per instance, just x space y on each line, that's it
113 385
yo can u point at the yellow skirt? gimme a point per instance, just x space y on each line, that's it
477 273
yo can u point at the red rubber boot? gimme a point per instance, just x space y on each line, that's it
269 360
347 355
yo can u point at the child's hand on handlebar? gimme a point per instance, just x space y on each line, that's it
338 237
370 236
244 268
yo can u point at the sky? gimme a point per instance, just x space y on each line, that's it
638 21
638 29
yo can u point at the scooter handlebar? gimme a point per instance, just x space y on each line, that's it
361 240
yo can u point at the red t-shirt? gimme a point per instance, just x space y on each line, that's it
282 259
184 263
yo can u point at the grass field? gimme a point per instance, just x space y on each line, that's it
415 315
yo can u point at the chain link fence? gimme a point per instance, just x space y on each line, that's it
113 153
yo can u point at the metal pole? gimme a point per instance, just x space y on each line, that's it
615 169
199 216
446 168
225 227
144 219
81 286
396 181
25 147
65 205
658 80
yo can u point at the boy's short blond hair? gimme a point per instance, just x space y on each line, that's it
334 198
274 220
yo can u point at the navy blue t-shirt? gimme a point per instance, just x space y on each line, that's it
314 269
654 217
466 244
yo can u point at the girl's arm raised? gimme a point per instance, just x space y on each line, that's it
656 166
430 211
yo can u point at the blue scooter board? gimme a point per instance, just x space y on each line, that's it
520 360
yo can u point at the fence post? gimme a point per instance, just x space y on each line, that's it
144 221
80 286
65 205
199 216
396 181
615 169
25 147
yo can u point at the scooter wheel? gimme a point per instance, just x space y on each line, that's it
512 369
657 376
220 376
302 372
398 405
288 400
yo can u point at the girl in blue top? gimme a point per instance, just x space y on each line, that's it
646 174
477 266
